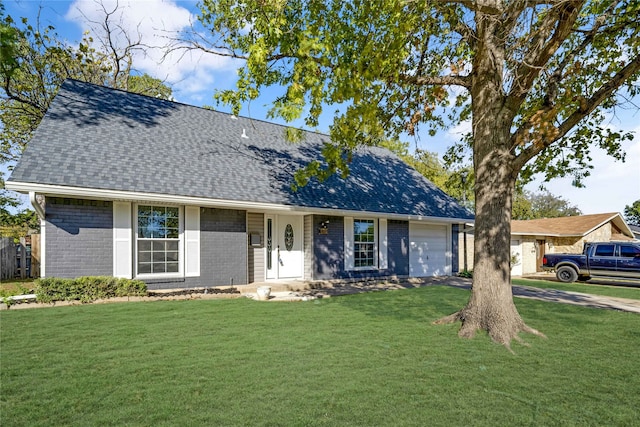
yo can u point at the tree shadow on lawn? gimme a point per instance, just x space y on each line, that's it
419 304
426 304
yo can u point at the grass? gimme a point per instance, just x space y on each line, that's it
610 290
359 360
16 287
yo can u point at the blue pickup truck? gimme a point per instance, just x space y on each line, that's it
606 259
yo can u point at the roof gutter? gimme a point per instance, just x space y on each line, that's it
130 196
36 206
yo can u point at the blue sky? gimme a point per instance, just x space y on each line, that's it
194 77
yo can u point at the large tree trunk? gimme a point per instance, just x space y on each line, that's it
491 306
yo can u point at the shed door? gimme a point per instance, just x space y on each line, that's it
429 253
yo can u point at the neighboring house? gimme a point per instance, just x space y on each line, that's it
635 229
532 239
180 196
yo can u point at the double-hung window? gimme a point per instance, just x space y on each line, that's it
158 240
364 243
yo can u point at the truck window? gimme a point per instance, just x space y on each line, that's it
628 251
605 250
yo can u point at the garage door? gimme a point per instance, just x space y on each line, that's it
516 258
429 253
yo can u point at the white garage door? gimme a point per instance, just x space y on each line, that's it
516 258
429 253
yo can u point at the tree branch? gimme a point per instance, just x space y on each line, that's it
556 77
586 108
464 81
554 29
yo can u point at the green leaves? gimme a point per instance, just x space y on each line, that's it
383 66
528 205
632 213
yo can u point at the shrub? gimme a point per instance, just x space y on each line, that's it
466 273
87 288
127 288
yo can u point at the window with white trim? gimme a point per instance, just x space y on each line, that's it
158 240
364 243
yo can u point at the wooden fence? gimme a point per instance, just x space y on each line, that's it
20 260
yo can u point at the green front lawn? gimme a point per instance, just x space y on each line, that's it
370 359
609 290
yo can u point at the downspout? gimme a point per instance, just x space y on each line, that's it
36 206
40 212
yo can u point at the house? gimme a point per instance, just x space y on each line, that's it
181 196
532 239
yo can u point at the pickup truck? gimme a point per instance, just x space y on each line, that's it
606 259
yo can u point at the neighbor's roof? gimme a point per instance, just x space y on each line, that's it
569 226
93 137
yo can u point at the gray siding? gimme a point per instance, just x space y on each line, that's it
79 238
308 247
223 247
328 250
256 254
455 249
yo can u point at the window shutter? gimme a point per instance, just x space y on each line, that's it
383 259
348 243
191 241
122 240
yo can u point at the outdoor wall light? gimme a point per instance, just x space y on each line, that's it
323 229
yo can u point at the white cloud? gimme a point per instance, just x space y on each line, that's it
155 22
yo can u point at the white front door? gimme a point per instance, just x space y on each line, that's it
285 255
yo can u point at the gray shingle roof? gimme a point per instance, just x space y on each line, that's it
96 137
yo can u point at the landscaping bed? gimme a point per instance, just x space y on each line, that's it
154 296
197 291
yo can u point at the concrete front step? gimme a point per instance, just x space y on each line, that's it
289 286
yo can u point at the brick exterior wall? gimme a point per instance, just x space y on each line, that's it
398 238
223 247
328 250
223 252
79 238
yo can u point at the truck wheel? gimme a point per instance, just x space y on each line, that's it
566 274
